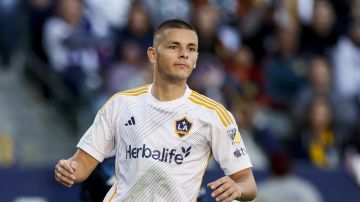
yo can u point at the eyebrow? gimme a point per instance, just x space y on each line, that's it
177 43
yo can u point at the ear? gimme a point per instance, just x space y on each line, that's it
151 52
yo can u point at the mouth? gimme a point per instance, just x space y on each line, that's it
182 66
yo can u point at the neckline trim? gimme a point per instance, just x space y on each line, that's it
164 104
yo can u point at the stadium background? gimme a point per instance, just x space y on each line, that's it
289 71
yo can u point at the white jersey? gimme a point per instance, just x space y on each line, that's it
162 148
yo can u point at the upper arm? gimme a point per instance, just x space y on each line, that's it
99 139
228 148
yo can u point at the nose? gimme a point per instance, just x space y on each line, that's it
183 53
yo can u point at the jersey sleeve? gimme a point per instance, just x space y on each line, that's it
98 140
228 148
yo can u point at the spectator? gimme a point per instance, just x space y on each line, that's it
130 62
317 140
285 71
161 10
216 36
286 12
107 16
70 46
321 82
346 60
138 28
354 9
39 12
255 22
207 22
283 186
322 34
117 77
244 76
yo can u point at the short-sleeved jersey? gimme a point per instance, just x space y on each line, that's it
162 148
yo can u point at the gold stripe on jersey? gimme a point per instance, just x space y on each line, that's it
131 92
116 177
218 104
113 194
221 107
134 93
194 100
136 89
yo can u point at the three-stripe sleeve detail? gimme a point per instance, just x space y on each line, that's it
221 112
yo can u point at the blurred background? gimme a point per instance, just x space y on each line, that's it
289 71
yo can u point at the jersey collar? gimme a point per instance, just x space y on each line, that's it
168 104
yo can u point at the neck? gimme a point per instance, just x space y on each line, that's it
167 91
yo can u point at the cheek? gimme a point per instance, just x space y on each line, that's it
193 60
164 57
163 64
164 61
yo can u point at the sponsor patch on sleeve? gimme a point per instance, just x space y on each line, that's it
234 135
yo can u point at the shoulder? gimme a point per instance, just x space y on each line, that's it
215 109
123 97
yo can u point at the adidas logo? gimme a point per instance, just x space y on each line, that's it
130 122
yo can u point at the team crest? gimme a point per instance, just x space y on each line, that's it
234 135
182 127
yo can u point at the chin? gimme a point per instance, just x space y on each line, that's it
184 76
178 78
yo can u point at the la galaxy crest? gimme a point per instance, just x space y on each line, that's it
182 127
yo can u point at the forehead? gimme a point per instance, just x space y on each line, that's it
182 36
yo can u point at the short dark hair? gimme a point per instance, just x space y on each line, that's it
171 24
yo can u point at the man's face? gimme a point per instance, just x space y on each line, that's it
175 54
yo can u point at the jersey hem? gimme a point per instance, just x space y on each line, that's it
91 151
236 169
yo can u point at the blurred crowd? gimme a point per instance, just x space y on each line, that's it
289 70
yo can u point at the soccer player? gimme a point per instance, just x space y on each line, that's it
164 133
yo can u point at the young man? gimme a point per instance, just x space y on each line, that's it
164 133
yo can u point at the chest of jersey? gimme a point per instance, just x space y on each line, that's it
172 137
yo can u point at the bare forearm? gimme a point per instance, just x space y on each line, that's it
238 186
247 185
82 171
248 189
84 165
75 169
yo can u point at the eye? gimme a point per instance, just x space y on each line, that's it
192 49
172 47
